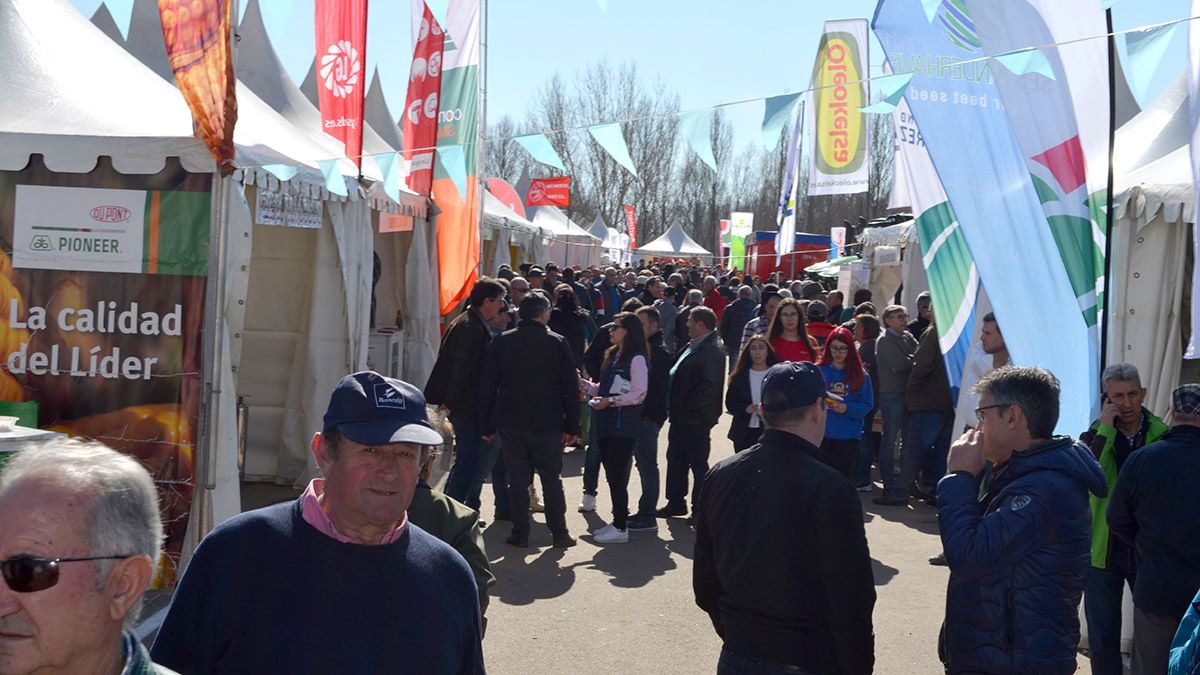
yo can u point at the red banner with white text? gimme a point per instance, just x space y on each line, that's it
554 191
631 225
196 35
421 112
341 38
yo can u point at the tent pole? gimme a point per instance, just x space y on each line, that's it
481 128
1108 211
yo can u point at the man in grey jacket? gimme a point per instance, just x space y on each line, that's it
894 353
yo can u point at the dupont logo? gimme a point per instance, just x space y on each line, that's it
110 214
386 396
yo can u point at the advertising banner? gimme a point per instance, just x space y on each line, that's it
458 124
101 317
839 162
631 225
420 123
986 178
196 35
554 191
838 236
785 219
341 37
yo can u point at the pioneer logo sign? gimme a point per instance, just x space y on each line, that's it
841 133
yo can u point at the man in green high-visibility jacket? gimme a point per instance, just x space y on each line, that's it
1124 426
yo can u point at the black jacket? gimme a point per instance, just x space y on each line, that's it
803 599
593 358
928 387
1154 509
571 324
697 385
733 321
681 331
661 360
529 383
454 380
737 397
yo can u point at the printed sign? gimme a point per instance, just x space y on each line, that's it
742 224
549 192
839 149
287 210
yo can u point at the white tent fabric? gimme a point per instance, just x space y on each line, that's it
423 322
673 242
572 244
505 228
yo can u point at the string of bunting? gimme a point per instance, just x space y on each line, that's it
1146 46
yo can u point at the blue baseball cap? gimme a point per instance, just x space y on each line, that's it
371 409
792 384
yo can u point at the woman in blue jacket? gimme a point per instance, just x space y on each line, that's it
845 377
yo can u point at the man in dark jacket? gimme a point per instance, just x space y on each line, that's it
654 413
1154 509
1019 556
800 602
529 391
692 301
695 396
930 419
454 384
736 316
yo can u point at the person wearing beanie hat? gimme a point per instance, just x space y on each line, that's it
799 602
818 325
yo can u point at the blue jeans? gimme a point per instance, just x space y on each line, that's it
645 454
591 461
1102 608
866 451
736 664
468 446
891 407
491 466
926 445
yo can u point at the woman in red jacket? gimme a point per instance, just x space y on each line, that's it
788 334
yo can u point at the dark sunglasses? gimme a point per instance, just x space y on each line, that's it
27 574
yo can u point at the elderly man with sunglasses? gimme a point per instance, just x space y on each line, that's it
79 540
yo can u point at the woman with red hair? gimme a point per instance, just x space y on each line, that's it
845 377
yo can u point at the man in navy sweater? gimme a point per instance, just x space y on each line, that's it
339 580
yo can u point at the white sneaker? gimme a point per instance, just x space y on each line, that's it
611 535
535 506
604 529
588 505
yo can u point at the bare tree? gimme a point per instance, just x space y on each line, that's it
505 159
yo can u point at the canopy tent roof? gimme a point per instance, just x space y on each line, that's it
550 218
598 229
497 215
73 110
673 242
1152 166
378 116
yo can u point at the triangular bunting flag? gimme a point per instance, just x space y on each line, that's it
610 138
454 161
891 88
696 126
539 147
334 181
777 110
1146 50
388 165
1028 61
283 172
122 13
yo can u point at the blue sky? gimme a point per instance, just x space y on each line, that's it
708 51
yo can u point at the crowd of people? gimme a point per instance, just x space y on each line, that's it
374 567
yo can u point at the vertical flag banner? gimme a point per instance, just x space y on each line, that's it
420 123
199 50
741 225
341 38
1193 348
953 278
1060 120
785 219
838 162
458 124
631 225
986 177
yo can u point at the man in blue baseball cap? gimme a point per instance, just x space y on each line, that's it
302 586
781 564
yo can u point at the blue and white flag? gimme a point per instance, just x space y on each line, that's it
785 236
987 180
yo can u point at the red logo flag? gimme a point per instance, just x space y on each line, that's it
631 225
196 35
549 192
421 116
341 50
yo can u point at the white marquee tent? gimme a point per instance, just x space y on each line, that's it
673 242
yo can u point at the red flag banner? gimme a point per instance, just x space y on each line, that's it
421 117
196 35
554 191
341 49
631 225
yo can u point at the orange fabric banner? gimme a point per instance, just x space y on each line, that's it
197 38
457 241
